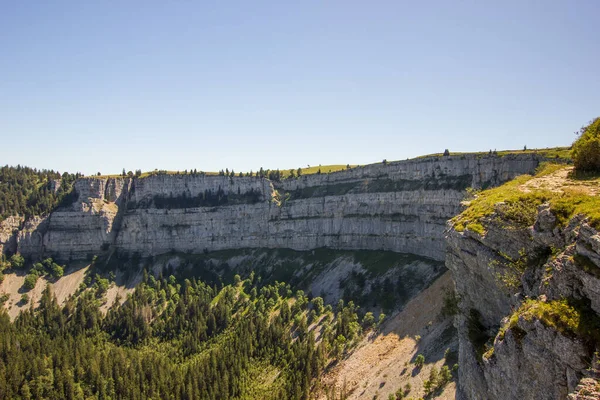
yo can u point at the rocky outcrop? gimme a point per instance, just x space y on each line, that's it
86 227
400 206
8 233
529 309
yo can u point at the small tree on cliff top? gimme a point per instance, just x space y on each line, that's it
586 149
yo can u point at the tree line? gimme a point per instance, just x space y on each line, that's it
27 191
174 340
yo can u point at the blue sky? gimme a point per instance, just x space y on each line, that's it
101 86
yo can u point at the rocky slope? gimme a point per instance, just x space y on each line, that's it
526 262
400 206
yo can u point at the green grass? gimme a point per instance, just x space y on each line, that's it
574 202
325 169
561 153
547 168
519 209
571 319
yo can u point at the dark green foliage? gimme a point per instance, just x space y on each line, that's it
17 261
586 149
47 267
169 340
317 304
419 361
27 191
57 270
437 380
368 321
30 281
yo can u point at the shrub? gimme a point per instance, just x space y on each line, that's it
368 320
317 304
420 361
567 317
381 319
30 281
586 149
38 269
57 270
445 375
101 285
17 261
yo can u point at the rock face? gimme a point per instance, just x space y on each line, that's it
400 206
532 356
8 233
87 226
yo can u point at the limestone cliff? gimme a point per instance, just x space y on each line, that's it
526 262
400 206
8 228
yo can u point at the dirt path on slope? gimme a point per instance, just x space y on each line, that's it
561 180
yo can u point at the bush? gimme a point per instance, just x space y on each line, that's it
30 281
17 261
57 270
317 304
368 320
38 269
586 149
420 361
101 285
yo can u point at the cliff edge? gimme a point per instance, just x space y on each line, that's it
399 206
526 263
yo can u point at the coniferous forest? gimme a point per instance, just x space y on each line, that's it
28 191
174 340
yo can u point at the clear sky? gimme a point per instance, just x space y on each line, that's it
100 86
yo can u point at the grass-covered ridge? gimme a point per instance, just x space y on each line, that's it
283 174
516 202
517 206
561 153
